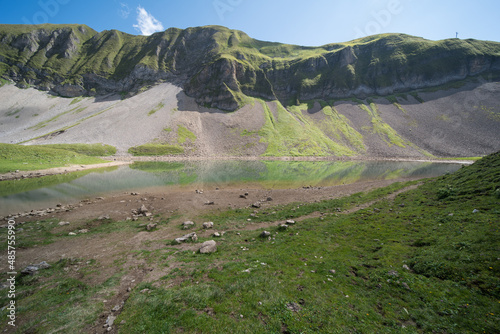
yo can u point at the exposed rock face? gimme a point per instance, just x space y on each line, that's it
218 66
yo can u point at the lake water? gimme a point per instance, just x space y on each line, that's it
25 195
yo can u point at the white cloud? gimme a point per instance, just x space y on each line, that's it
124 10
146 23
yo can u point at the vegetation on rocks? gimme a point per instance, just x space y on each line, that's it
221 67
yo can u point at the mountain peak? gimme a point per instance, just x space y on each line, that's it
212 63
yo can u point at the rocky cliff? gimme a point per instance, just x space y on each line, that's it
219 67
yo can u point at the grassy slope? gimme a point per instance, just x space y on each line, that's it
114 54
18 157
344 272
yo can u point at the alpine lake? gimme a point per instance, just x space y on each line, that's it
36 193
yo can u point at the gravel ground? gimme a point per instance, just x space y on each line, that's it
455 122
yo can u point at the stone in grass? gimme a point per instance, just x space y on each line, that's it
187 237
290 222
187 224
63 223
294 307
110 321
208 225
208 247
34 268
265 234
283 227
151 226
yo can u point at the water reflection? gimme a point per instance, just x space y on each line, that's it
25 195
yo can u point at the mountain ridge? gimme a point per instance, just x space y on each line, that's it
218 66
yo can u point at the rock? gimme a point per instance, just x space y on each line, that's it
283 227
187 224
116 308
290 222
332 271
187 237
34 268
151 226
71 233
294 307
393 273
103 218
63 223
208 247
265 234
143 210
83 231
475 211
145 291
243 196
208 225
256 205
110 321
216 234
269 199
406 267
210 203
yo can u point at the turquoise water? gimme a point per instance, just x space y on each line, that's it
29 194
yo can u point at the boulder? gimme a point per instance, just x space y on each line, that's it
265 234
187 224
151 226
187 237
208 247
143 210
34 268
208 225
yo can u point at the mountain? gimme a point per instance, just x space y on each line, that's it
383 95
216 65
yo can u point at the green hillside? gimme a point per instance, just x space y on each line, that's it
216 65
421 261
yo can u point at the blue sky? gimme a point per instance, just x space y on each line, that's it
312 22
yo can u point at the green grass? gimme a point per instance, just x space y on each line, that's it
419 262
19 157
292 133
155 149
155 109
183 134
452 282
94 150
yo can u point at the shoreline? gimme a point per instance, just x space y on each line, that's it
127 160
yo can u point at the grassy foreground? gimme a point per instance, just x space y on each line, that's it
425 261
35 157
